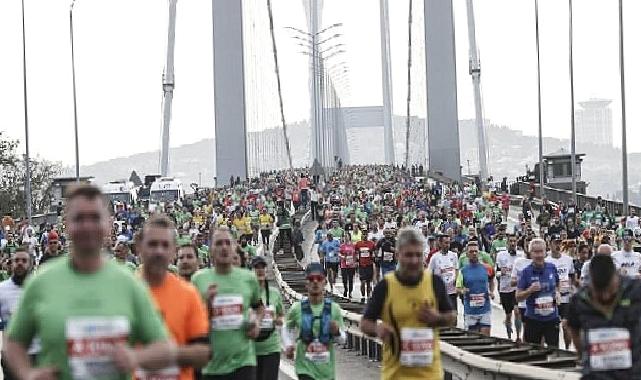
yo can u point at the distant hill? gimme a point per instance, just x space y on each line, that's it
510 152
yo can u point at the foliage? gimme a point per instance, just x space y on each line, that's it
12 180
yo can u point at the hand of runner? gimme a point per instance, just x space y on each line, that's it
535 287
43 373
492 296
212 291
428 315
289 352
333 328
253 330
124 358
384 332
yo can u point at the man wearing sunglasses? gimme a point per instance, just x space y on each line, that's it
320 323
10 292
53 248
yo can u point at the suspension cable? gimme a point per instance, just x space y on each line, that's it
280 94
409 86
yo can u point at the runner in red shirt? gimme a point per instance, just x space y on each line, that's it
349 261
505 203
365 251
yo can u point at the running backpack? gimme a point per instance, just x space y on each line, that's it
308 318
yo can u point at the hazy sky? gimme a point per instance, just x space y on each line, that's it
120 46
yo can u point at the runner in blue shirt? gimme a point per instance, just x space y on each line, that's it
474 282
330 258
539 287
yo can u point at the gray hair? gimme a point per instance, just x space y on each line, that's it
408 236
604 249
537 241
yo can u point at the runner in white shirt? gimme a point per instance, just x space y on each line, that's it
10 292
565 269
627 261
603 249
632 221
504 265
519 314
445 265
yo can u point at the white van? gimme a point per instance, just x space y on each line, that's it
166 189
121 191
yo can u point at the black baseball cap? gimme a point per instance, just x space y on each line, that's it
314 268
257 261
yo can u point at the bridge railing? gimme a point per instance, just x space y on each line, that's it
565 196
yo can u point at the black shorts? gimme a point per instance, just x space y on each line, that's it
332 266
508 301
453 301
366 273
564 310
522 313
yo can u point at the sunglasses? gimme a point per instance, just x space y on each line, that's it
316 278
53 242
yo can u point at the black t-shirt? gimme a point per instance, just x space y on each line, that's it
585 317
374 308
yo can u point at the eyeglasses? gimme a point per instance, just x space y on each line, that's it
316 278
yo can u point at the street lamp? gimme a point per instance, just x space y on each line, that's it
26 122
73 80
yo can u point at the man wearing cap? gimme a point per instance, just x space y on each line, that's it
53 248
627 261
268 341
320 323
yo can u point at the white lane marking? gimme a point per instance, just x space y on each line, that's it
288 369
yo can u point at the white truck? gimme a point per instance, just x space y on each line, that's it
166 189
121 191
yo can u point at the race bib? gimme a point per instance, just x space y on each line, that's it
388 256
90 341
349 261
268 318
417 347
317 353
227 312
172 373
564 286
544 305
477 300
364 252
609 349
448 278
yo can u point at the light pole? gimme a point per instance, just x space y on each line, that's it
73 81
538 83
624 142
26 122
573 137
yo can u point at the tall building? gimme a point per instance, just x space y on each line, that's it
594 122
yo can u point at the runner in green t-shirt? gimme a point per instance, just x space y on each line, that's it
268 343
121 254
86 310
315 357
230 293
250 250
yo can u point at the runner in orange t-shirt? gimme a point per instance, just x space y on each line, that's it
178 301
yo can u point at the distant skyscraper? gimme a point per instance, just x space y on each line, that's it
594 122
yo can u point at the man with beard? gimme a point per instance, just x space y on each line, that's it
53 248
178 301
10 292
187 261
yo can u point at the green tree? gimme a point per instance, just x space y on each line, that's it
12 180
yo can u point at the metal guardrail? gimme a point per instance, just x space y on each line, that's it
559 195
457 362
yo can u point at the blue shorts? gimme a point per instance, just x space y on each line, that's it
475 322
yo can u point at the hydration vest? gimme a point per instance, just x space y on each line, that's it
308 318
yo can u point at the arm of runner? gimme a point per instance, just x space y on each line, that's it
197 352
574 325
291 324
370 322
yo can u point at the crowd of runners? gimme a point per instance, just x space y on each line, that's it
180 290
